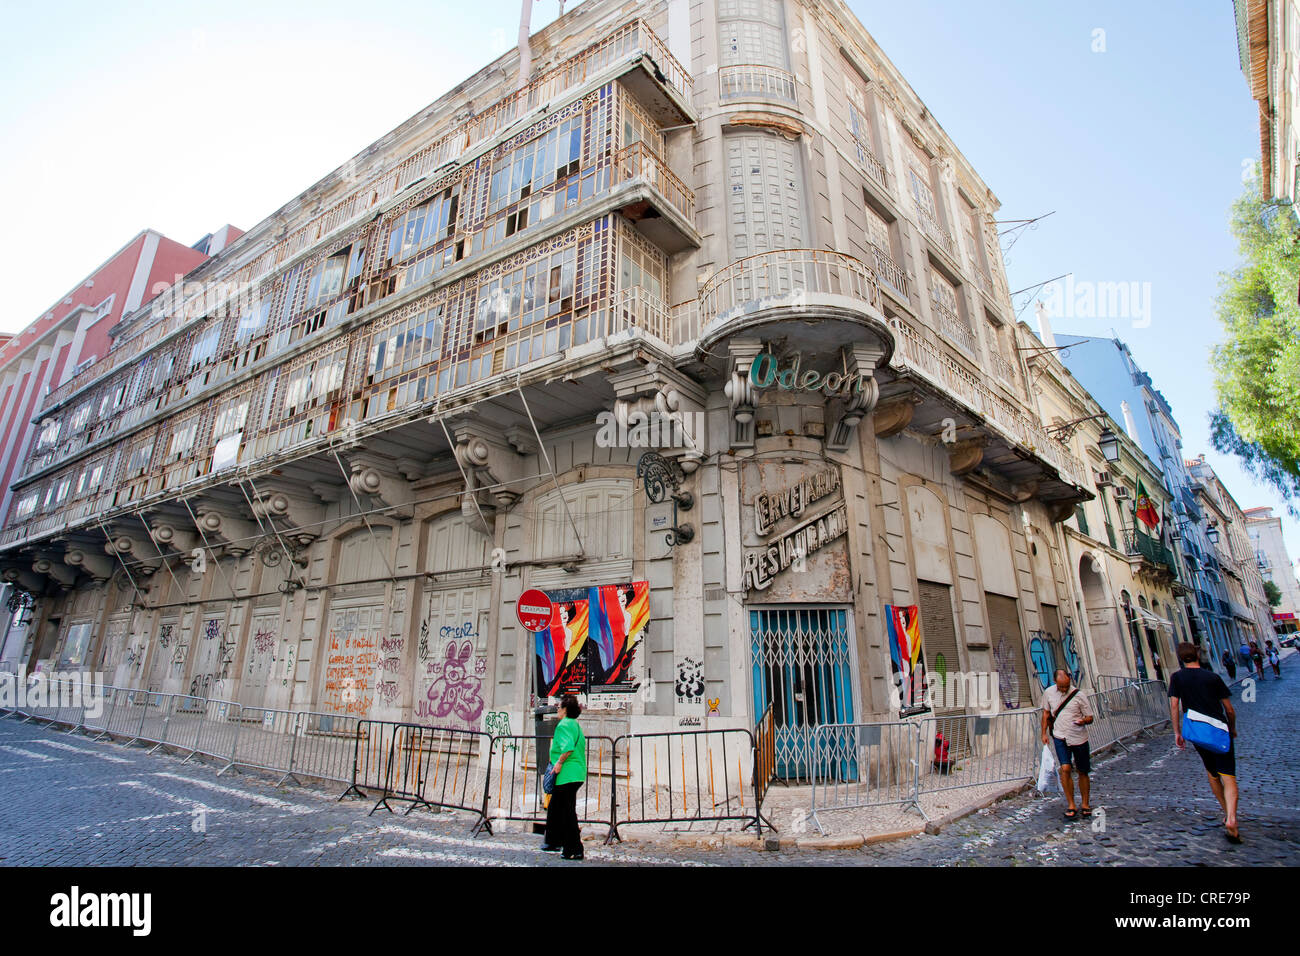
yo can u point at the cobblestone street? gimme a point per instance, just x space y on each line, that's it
72 801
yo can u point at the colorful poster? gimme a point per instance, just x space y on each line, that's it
561 651
906 660
619 615
593 638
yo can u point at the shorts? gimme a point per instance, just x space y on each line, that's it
1217 764
1077 755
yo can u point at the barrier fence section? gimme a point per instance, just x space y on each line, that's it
764 756
325 747
685 776
971 750
863 765
437 767
515 781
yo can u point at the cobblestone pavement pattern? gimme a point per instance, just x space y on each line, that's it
72 801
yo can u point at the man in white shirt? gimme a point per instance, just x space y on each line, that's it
1067 715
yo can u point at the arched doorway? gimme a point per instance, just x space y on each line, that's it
1102 623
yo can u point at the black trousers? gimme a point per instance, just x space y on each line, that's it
562 819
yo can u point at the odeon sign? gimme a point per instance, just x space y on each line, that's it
764 373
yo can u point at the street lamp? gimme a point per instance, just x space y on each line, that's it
1212 532
1109 443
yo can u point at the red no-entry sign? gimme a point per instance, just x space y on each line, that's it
534 610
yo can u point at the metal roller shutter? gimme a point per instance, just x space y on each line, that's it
1008 651
939 641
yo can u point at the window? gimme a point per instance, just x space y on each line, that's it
79 419
139 459
406 345
183 439
253 319
61 489
637 267
421 227
48 435
205 346
551 157
26 506
230 418
921 192
518 299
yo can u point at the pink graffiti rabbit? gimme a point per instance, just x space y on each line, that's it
455 691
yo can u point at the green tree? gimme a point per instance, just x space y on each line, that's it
1273 593
1257 366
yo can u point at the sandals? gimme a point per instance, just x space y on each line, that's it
1234 838
1086 811
1071 814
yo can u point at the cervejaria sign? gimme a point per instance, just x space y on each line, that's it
765 563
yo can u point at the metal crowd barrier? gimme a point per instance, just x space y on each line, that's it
863 765
515 782
685 776
999 748
325 747
437 767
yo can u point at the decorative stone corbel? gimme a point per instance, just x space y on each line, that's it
370 477
237 534
98 566
141 554
59 572
893 416
22 579
860 361
168 537
286 511
965 456
492 461
658 409
1059 511
740 392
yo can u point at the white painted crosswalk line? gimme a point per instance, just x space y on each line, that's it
294 808
46 758
433 856
60 745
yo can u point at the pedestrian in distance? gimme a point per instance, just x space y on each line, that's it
1195 689
1244 653
1066 716
1274 659
569 764
1229 664
1257 656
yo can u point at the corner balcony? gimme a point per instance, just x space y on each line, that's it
991 432
744 82
821 300
660 204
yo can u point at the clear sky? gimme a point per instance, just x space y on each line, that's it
183 116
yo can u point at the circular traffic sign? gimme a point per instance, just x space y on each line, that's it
534 610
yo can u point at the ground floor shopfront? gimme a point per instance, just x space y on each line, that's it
754 564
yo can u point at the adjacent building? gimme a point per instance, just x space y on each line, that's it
1268 47
1246 608
700 327
58 348
1275 564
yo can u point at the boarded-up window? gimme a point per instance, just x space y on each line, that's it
1008 651
765 205
939 643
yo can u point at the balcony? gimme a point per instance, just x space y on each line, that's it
823 300
1002 369
750 81
1150 558
890 273
941 237
667 215
871 164
633 53
1024 438
951 325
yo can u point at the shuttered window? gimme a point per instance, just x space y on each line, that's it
1008 651
939 643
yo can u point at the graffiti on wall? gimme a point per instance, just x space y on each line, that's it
689 686
455 695
390 666
1008 680
352 662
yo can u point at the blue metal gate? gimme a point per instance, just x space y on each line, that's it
802 666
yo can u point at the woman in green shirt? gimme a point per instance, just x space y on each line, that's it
569 760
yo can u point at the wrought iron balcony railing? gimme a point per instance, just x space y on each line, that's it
755 80
639 161
793 277
890 272
918 354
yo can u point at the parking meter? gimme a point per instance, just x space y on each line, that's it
545 719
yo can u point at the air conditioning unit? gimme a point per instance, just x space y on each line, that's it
1102 478
1121 493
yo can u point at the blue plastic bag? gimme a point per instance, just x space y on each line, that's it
548 779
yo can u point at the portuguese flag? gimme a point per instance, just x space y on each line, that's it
1145 508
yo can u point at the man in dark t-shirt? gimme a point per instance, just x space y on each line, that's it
1193 688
